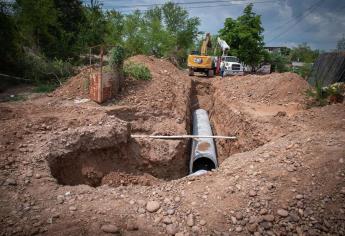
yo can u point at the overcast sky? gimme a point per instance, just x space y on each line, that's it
320 23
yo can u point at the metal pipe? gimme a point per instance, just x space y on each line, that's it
203 155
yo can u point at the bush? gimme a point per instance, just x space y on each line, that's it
45 88
305 70
317 94
137 71
117 56
278 62
38 69
325 95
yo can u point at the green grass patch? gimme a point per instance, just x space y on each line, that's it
137 71
45 88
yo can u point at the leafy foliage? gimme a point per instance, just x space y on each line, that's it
9 49
305 70
137 71
278 62
244 36
45 87
317 94
323 95
117 56
165 31
304 53
41 38
39 68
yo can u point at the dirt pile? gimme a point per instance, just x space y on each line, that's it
273 89
166 95
74 87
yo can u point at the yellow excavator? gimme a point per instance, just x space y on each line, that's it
202 63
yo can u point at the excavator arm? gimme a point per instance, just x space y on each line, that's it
206 43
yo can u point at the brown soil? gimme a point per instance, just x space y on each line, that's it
116 179
72 169
75 86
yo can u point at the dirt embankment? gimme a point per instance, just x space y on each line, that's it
256 109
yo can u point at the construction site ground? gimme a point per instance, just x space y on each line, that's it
69 166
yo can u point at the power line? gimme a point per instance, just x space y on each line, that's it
293 19
179 3
327 42
208 6
305 14
268 1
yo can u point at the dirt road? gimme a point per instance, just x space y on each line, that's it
71 168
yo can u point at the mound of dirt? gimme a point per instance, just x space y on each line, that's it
75 86
165 95
274 88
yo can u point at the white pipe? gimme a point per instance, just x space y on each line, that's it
182 136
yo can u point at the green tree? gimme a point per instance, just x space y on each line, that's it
37 20
278 62
157 38
94 30
134 34
304 53
9 39
182 30
244 36
115 27
70 21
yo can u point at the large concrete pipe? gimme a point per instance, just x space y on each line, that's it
203 155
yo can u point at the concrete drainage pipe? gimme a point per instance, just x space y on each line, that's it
203 155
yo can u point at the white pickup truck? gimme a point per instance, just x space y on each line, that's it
232 66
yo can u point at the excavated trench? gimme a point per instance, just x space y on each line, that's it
225 120
106 154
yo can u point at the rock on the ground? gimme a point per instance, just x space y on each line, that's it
153 206
11 181
202 222
282 212
110 228
190 220
252 193
268 218
172 229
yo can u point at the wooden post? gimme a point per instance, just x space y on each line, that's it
101 78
